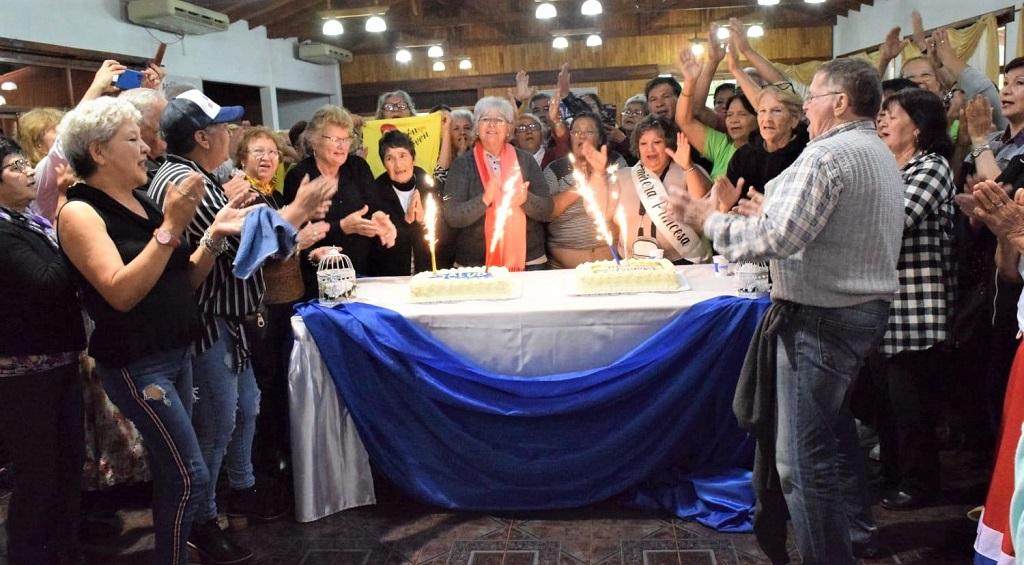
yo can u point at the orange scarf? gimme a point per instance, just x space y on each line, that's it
511 250
264 188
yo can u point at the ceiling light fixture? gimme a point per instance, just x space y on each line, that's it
376 24
594 40
465 65
438 66
403 56
591 8
435 51
815 1
767 2
560 42
756 30
697 48
333 28
546 11
722 33
8 85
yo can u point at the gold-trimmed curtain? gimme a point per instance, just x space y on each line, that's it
977 45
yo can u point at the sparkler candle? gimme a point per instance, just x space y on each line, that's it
590 203
508 191
430 218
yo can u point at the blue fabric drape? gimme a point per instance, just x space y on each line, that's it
656 425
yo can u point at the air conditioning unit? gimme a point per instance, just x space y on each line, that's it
176 16
324 54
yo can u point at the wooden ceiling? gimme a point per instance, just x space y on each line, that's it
470 23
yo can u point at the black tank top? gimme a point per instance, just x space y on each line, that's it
168 317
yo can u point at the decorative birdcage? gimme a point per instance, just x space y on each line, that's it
754 278
336 278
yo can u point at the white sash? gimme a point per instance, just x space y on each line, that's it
654 198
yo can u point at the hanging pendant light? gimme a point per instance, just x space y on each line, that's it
546 11
376 24
591 8
333 27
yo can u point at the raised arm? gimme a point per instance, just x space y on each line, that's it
890 48
693 129
763 65
715 54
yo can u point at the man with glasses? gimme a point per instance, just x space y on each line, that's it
831 227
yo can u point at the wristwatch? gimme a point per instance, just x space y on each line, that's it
164 237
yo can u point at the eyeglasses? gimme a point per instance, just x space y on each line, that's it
261 153
583 133
527 127
633 113
393 107
489 121
813 96
339 141
21 164
784 85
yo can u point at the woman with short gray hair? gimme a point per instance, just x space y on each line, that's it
395 104
137 282
477 185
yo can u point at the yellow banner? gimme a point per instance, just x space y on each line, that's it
425 132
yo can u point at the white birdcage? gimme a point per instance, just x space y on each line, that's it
336 278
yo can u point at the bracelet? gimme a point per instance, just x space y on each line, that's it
977 151
690 168
215 245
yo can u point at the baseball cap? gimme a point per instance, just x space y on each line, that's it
192 111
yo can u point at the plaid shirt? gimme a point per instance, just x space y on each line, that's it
830 222
918 316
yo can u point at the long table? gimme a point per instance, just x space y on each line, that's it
544 331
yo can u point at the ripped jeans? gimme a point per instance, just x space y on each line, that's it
156 394
225 417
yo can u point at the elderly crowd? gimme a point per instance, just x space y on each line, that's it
150 232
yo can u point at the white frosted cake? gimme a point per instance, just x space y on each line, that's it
631 275
463 283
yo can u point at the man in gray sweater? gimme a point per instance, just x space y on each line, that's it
831 226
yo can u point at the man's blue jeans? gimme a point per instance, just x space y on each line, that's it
156 394
820 352
225 413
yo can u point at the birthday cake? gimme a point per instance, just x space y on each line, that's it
463 283
628 276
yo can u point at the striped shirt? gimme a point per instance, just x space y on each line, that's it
832 223
574 228
221 294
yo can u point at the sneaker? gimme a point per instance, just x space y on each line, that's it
262 502
214 546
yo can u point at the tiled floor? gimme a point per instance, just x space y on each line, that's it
400 532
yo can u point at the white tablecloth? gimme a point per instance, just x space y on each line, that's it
542 332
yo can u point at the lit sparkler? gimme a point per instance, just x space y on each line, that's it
590 203
430 218
508 191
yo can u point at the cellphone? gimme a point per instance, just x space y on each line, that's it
129 79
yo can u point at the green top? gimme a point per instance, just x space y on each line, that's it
718 149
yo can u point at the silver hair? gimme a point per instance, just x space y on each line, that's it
636 99
463 114
493 103
142 98
93 121
399 93
543 127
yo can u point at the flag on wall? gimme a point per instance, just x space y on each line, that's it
425 132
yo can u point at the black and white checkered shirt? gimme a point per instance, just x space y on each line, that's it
918 316
221 294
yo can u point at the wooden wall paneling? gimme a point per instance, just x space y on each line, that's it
38 86
661 50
